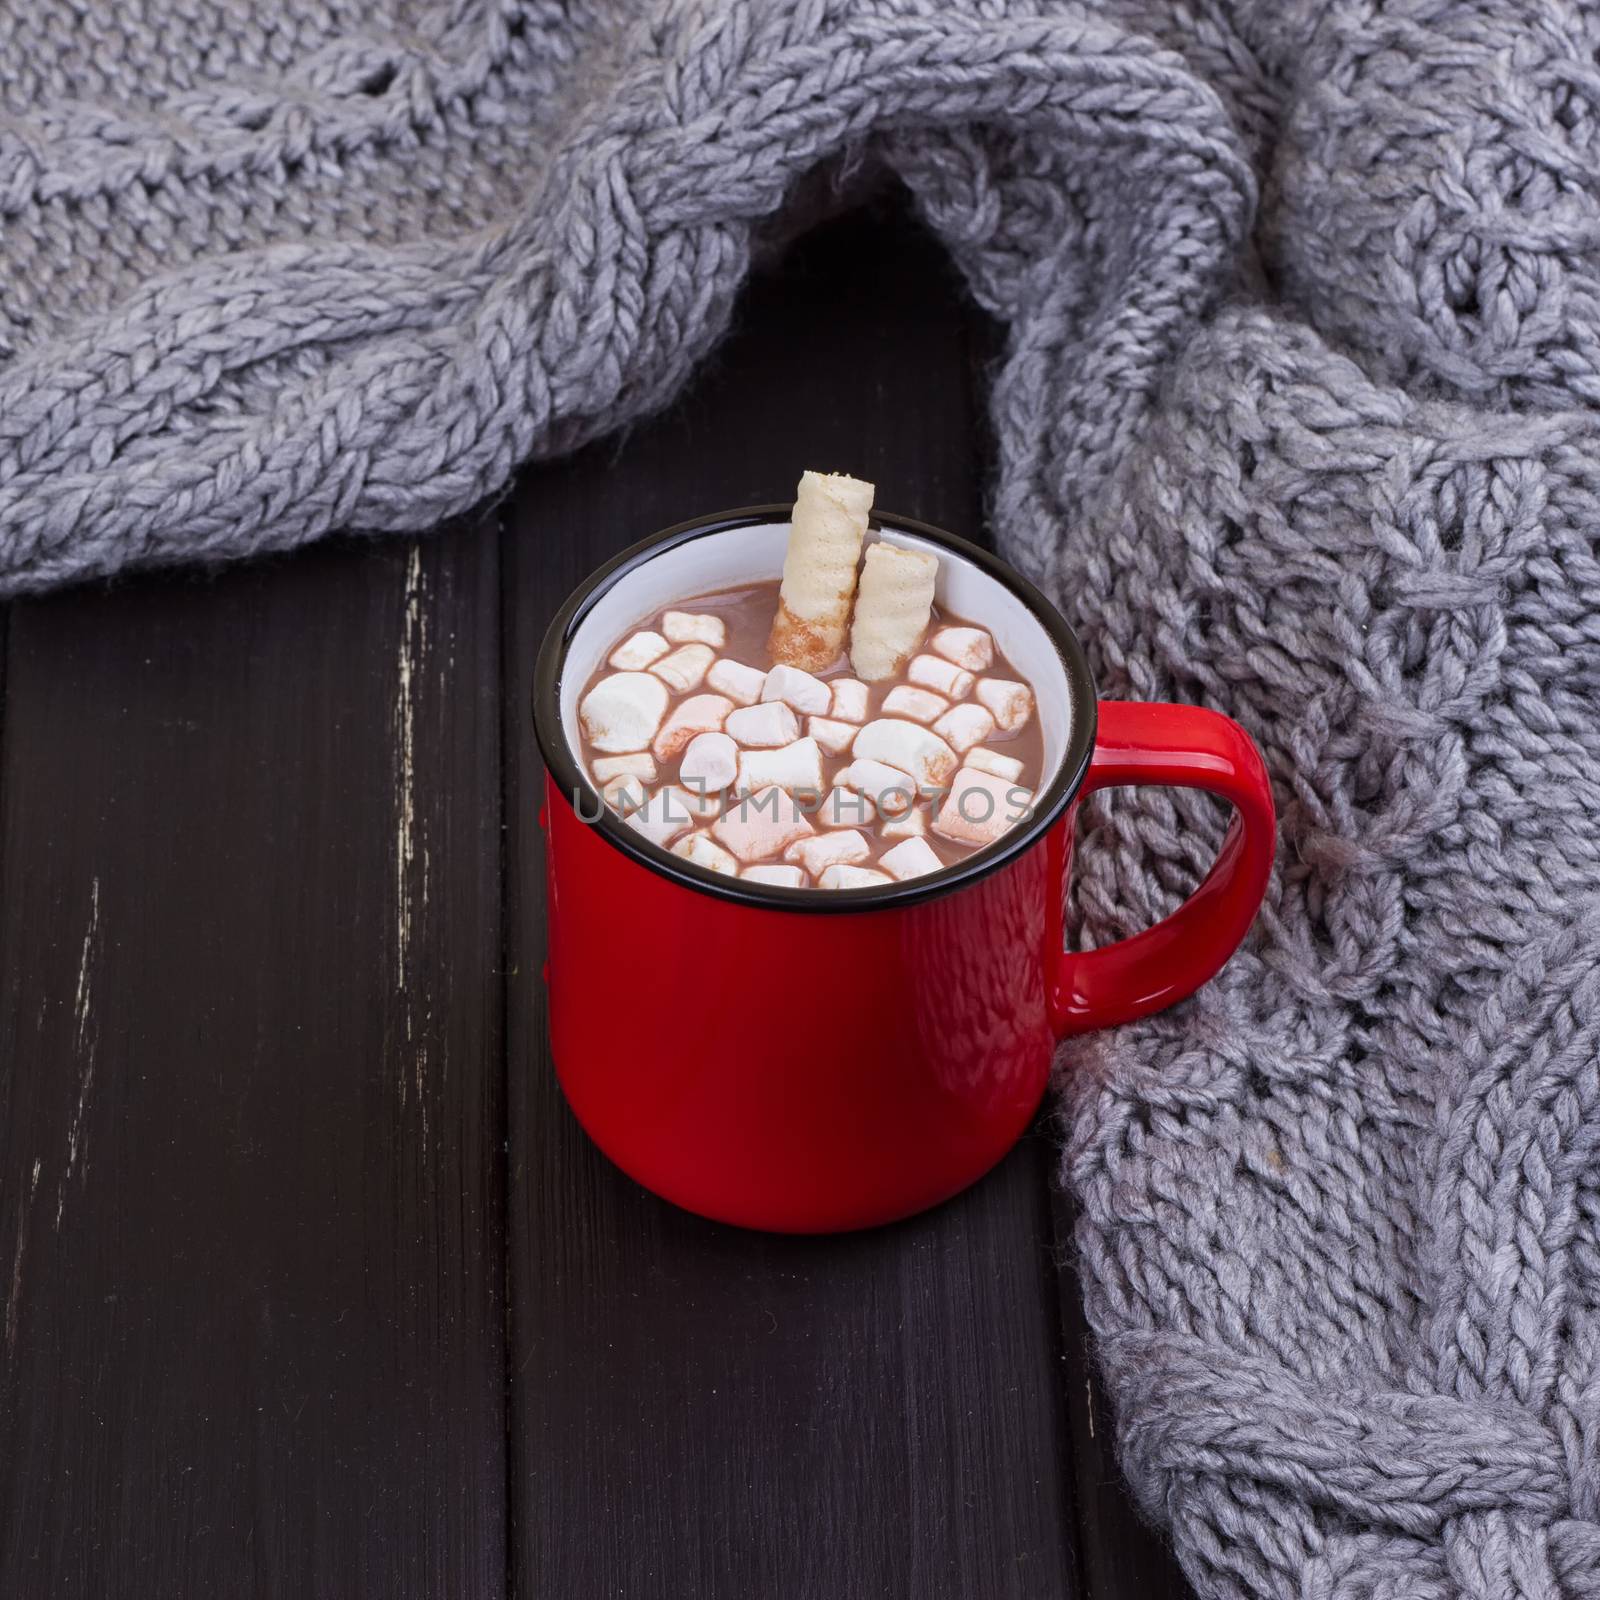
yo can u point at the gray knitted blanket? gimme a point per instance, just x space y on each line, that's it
1297 419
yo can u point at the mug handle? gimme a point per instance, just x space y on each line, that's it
1185 747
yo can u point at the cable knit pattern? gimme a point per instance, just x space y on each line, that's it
1296 419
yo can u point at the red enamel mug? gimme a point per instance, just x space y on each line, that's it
804 1060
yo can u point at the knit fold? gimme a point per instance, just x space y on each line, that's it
1296 419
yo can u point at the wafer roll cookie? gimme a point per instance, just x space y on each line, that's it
892 609
819 570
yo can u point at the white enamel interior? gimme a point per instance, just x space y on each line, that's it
747 555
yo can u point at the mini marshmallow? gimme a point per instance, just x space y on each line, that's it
795 767
1011 704
638 650
921 705
710 763
963 726
979 808
666 814
685 667
798 689
911 858
984 760
840 876
622 712
740 683
843 807
833 737
971 648
779 877
763 727
823 850
913 749
639 765
889 789
849 700
700 806
625 793
912 824
694 627
761 826
700 713
934 672
704 851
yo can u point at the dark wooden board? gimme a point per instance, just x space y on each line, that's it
251 1112
697 1411
309 1283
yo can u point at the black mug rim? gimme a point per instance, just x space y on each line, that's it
562 761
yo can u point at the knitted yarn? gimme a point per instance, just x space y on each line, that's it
1296 419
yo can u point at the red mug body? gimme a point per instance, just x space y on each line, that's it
791 1071
812 1061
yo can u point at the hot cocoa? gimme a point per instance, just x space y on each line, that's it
829 730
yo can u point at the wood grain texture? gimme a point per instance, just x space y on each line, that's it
250 1085
697 1411
276 1316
